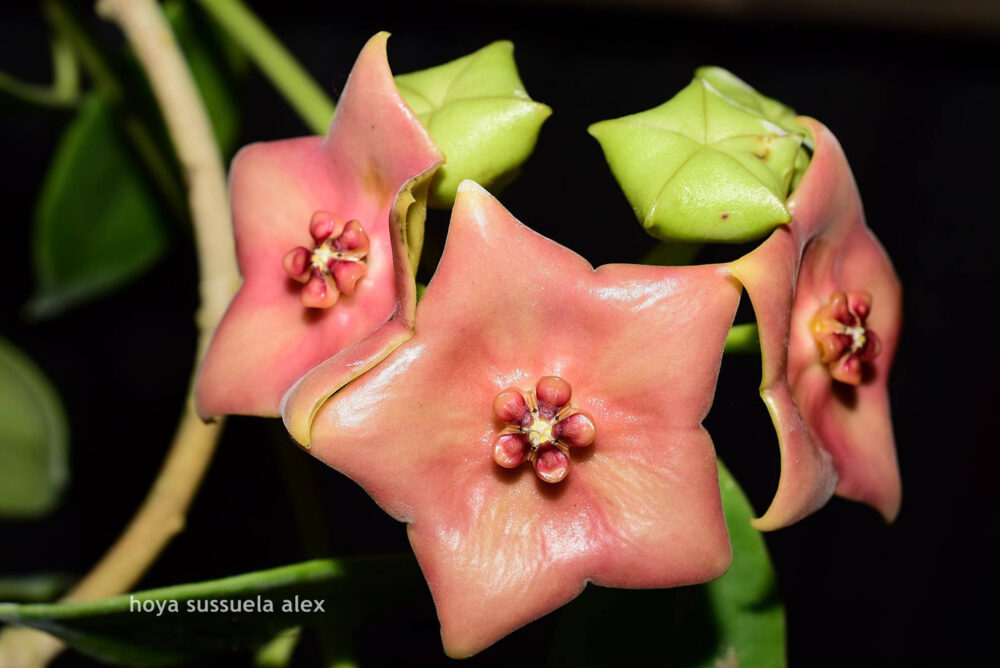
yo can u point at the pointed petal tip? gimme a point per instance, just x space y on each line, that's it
808 479
764 523
891 512
201 409
505 44
717 562
542 109
594 129
468 186
793 505
378 39
884 499
455 649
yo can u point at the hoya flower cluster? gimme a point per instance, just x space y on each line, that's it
535 421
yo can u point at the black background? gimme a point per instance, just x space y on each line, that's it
916 112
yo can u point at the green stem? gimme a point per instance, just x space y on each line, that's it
743 340
672 253
276 62
307 508
65 88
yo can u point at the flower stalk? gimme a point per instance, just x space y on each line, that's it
275 61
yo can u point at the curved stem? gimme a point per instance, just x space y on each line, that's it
64 91
276 62
743 340
162 514
672 253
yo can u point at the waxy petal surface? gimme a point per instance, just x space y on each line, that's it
833 437
375 151
641 347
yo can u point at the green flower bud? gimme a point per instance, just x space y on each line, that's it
477 111
714 163
743 94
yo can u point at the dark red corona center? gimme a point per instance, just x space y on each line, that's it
334 264
541 427
845 343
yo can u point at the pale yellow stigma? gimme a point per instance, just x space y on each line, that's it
540 431
322 256
858 337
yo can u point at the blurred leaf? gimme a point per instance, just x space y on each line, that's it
208 60
743 339
98 222
80 27
36 588
34 438
351 589
736 620
277 652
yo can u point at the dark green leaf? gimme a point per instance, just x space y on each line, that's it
98 222
744 602
736 620
34 438
115 631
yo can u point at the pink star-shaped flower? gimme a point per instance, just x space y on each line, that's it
599 379
321 241
829 309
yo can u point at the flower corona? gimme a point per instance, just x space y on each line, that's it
844 342
813 284
334 265
542 425
327 229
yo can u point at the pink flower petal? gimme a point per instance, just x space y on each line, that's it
640 348
832 436
374 151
